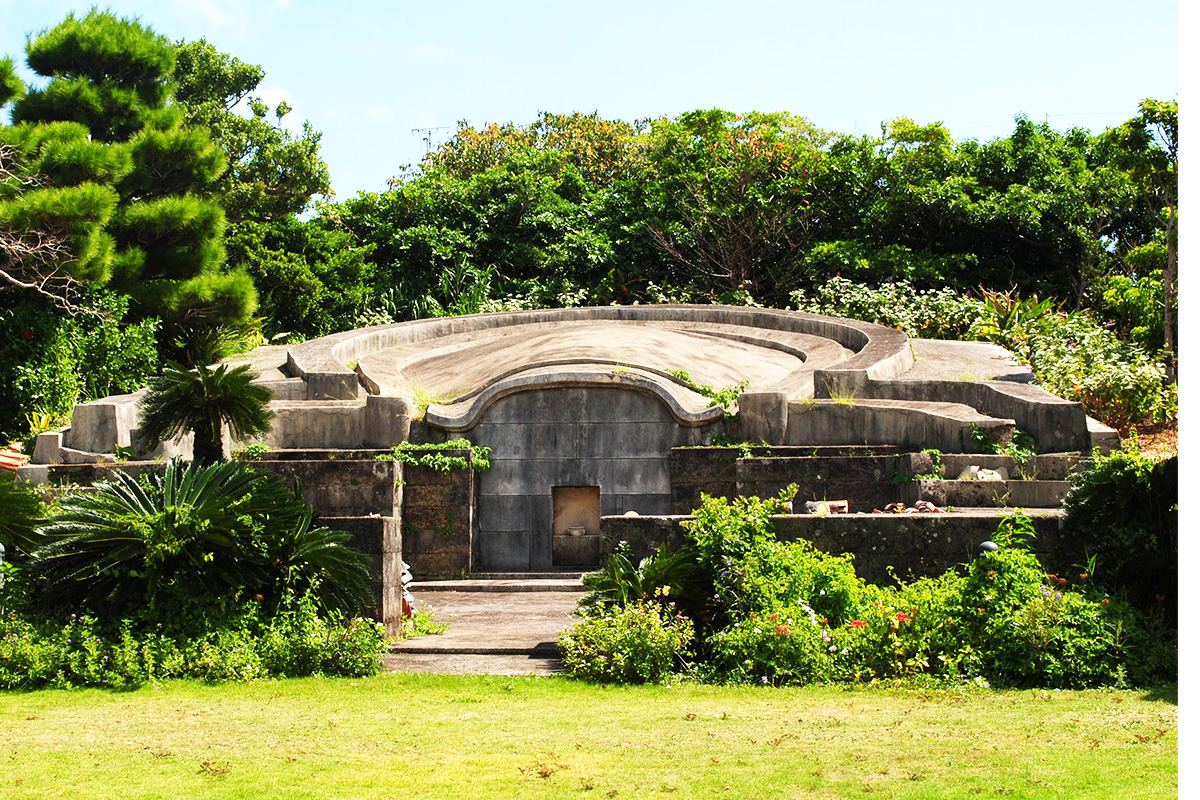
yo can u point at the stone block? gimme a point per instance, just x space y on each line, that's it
48 448
387 421
576 551
504 551
763 416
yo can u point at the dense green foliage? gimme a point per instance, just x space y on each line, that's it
121 171
638 642
114 164
196 533
784 612
210 572
1127 507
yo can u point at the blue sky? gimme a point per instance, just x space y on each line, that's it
367 73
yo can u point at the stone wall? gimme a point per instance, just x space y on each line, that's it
860 474
614 439
439 520
914 545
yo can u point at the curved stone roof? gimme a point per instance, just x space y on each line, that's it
459 365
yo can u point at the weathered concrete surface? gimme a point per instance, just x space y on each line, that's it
918 424
943 360
714 470
1007 494
1049 467
463 365
343 488
881 350
493 623
473 664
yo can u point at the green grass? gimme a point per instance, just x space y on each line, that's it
421 736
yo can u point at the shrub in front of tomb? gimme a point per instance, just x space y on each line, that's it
777 612
214 573
639 642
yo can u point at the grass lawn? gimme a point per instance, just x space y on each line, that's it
448 737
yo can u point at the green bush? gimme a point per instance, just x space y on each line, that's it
299 641
637 643
776 612
790 645
1126 509
1031 629
670 574
926 314
1079 359
241 643
906 630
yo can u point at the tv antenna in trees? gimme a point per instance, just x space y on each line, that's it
427 135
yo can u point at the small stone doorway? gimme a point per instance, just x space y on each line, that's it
576 526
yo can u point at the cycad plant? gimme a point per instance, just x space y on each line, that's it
202 401
198 532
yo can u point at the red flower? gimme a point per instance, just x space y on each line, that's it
784 630
857 623
28 334
902 617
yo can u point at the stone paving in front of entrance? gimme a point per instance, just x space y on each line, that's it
497 627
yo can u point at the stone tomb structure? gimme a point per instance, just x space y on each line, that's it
586 411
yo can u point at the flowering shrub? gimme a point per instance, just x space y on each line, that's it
776 613
1032 629
933 314
636 643
786 646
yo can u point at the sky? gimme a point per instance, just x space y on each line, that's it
379 78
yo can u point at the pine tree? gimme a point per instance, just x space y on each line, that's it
101 168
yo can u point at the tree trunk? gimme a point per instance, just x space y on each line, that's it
1169 297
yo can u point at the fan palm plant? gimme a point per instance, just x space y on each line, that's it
198 531
19 512
202 401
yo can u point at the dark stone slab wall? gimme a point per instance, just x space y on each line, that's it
865 482
342 487
612 438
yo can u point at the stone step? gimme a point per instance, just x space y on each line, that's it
1012 493
473 664
555 582
428 645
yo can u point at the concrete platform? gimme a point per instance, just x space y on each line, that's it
493 632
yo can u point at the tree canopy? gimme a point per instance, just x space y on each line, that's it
109 176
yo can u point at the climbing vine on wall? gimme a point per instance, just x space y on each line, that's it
436 457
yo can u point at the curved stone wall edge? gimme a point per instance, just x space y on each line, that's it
883 352
471 416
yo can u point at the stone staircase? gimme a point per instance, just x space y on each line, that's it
500 624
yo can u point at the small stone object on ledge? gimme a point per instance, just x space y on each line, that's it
823 508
